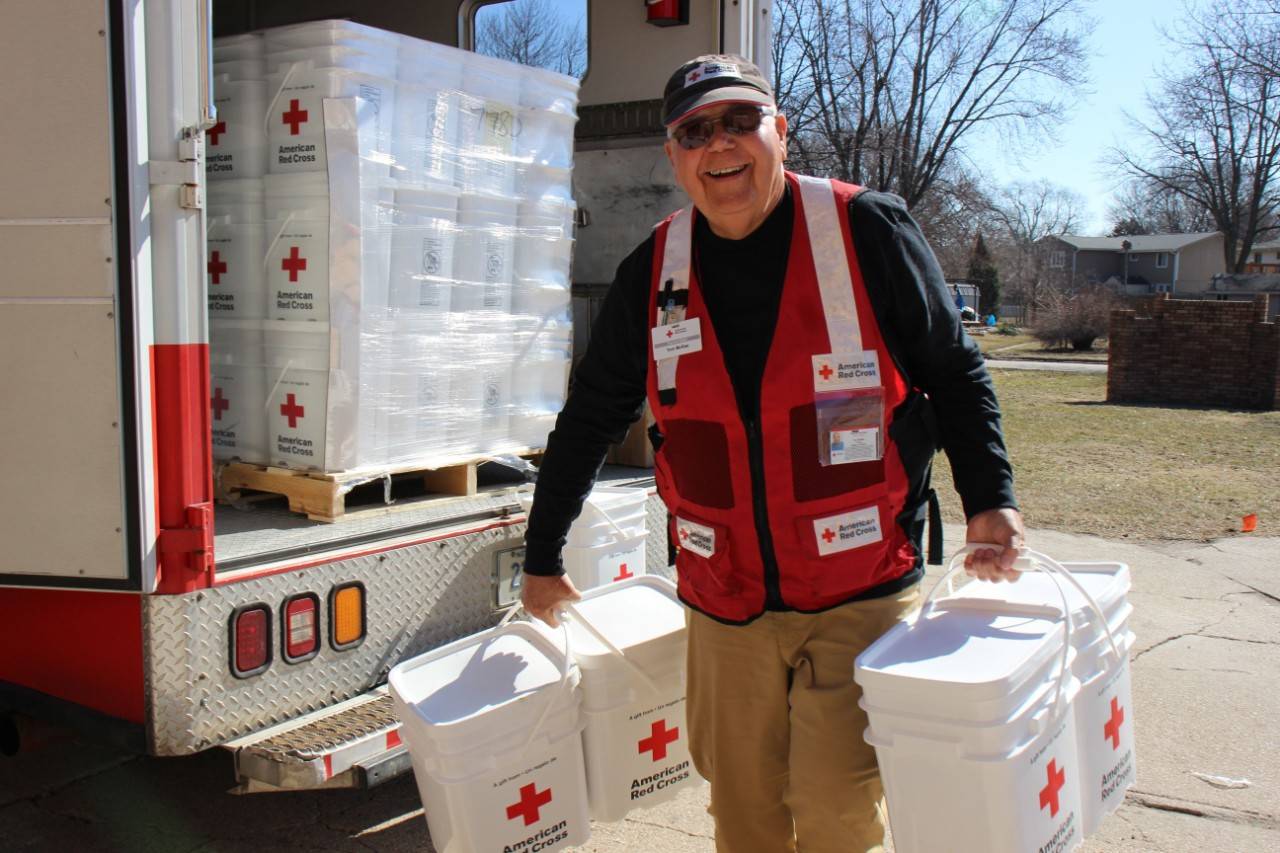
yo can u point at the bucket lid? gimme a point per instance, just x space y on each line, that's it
961 652
463 681
1106 583
636 615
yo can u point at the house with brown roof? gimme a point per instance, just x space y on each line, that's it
1138 264
1264 259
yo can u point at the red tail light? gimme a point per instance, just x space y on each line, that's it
250 640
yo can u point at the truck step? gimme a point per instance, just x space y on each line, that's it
322 496
354 744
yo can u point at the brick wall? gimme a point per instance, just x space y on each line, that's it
1198 352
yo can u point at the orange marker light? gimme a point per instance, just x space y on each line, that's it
1249 523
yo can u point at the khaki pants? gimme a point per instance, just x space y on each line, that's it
775 727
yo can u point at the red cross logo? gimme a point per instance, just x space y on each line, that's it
670 333
294 117
214 132
293 264
659 738
828 535
1049 793
531 800
624 573
825 372
291 410
1111 731
694 76
684 533
220 404
216 267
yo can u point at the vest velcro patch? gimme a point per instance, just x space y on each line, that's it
848 530
697 538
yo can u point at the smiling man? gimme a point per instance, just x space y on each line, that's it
803 360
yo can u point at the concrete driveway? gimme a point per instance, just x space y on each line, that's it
1056 366
1206 676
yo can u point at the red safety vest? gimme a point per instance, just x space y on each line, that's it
829 392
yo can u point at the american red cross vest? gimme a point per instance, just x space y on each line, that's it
831 480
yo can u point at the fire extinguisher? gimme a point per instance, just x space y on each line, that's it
667 13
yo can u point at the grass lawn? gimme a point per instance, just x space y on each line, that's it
992 341
1146 472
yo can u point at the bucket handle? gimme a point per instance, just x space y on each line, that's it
1023 563
276 239
614 650
566 669
266 119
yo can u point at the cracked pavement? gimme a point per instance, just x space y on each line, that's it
1206 674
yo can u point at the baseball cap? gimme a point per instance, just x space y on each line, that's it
713 79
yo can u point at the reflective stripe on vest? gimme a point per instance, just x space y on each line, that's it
676 259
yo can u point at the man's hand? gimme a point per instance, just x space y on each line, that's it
995 527
542 596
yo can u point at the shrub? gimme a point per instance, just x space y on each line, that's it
1073 319
1008 329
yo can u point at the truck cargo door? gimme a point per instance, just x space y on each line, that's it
69 425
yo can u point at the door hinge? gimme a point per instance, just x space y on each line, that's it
195 538
183 173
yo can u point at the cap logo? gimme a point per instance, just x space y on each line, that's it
711 69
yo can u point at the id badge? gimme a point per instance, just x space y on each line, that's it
676 339
850 427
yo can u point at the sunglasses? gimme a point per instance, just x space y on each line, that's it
737 121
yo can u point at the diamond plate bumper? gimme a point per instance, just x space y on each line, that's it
419 596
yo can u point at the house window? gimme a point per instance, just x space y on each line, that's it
1162 260
1057 260
1133 257
1257 257
1162 288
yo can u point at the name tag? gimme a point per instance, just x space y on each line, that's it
855 445
848 530
676 339
846 371
698 538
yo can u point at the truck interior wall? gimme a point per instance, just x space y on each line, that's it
434 21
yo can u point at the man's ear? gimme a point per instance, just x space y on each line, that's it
780 124
671 157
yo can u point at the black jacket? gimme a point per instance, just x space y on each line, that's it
742 283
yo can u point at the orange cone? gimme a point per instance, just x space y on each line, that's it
1249 523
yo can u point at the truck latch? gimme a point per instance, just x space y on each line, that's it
194 538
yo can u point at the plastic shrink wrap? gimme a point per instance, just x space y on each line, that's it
390 233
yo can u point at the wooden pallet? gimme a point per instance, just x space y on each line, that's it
322 497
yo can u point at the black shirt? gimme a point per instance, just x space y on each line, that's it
742 285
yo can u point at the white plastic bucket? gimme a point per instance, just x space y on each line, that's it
297 381
295 113
544 242
236 147
957 703
539 378
297 246
248 68
331 32
420 422
246 46
542 300
492 724
484 258
428 117
488 124
377 62
235 278
609 513
538 180
636 738
423 240
237 389
602 565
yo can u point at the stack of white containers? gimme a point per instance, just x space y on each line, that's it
413 236
606 542
235 161
981 725
635 738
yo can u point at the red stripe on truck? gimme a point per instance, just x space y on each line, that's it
84 647
184 466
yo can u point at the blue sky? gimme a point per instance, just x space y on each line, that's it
1126 50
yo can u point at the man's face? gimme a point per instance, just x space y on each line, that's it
733 180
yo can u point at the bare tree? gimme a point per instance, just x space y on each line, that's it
1214 138
531 32
1143 207
1027 212
887 94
